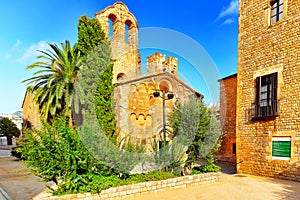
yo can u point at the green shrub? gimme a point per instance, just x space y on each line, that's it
16 152
195 171
207 168
158 175
57 154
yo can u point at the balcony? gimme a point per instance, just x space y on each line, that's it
264 109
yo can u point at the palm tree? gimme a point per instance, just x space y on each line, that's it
53 82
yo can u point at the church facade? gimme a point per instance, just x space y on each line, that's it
139 113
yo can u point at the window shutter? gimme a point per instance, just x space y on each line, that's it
274 86
274 79
257 96
281 148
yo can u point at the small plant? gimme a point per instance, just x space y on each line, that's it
206 168
158 175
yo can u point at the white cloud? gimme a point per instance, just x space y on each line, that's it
231 9
22 53
31 52
228 21
17 46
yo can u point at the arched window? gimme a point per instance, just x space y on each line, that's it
111 23
128 27
120 76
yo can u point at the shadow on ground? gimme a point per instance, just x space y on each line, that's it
227 168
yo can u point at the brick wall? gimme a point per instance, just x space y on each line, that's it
265 48
228 89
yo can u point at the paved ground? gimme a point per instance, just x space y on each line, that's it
4 153
19 184
16 180
232 187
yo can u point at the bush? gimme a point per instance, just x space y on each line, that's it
206 168
57 154
16 152
159 175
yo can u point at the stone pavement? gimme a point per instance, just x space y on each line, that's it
16 180
4 153
232 187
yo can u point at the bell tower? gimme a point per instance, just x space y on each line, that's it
121 27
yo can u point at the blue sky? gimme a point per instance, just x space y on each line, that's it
27 26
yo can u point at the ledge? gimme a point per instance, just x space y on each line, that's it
142 188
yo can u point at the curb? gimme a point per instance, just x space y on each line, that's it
4 195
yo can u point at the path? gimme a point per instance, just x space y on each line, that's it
232 187
16 180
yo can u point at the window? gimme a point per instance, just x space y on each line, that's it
276 10
111 24
120 76
281 148
233 148
128 32
266 96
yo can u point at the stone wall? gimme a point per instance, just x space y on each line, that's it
142 188
124 40
31 116
139 114
264 48
228 89
157 63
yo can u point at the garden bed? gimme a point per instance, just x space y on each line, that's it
140 188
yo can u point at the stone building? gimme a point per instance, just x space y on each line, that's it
31 116
228 89
268 91
139 114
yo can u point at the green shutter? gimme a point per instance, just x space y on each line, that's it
281 148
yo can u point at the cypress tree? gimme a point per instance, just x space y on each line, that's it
96 51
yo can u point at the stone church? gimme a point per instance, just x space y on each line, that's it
139 104
139 113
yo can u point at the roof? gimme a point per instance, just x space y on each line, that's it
227 77
160 74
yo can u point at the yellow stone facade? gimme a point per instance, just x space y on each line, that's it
266 47
124 40
139 114
31 116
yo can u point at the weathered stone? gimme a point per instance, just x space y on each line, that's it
265 48
139 114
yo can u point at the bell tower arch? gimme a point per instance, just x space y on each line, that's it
124 40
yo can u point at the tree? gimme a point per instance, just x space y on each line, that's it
202 143
97 69
90 35
54 80
8 129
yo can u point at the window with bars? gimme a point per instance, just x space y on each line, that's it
276 10
266 96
